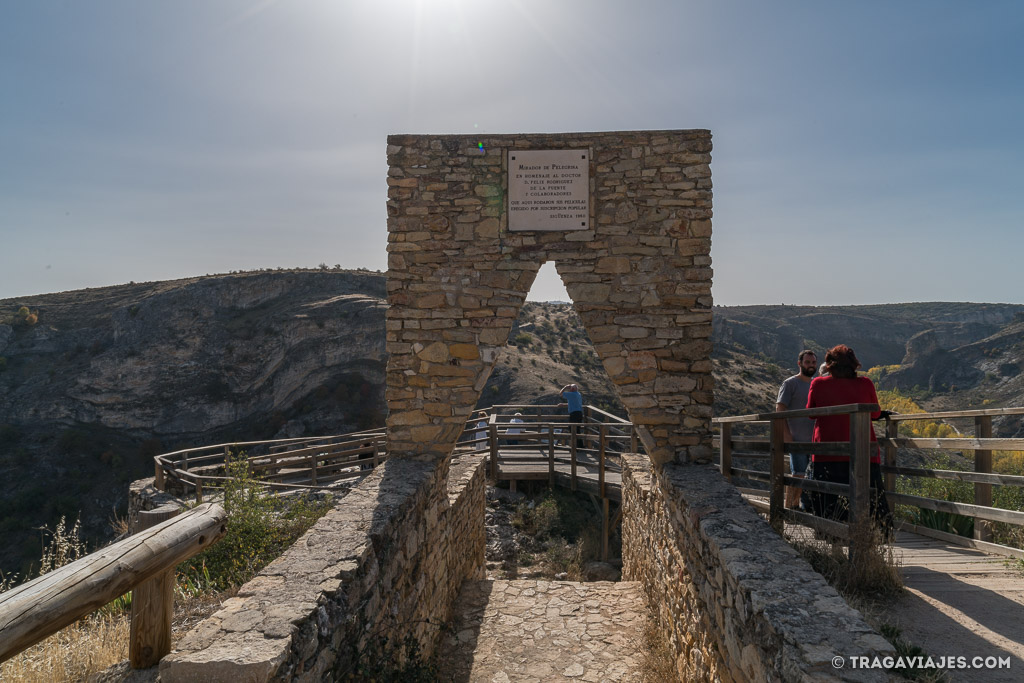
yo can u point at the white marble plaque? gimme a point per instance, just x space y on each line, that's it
549 189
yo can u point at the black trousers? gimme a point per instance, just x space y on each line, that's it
577 416
835 507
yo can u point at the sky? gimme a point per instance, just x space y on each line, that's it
864 152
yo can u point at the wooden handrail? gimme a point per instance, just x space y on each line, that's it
982 443
949 414
34 610
804 412
313 462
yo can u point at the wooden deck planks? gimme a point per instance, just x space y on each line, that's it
529 464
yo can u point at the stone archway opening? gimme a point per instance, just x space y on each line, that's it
633 250
548 286
548 347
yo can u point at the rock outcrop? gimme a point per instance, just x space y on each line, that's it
192 356
100 380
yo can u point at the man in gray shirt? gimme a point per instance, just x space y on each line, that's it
793 396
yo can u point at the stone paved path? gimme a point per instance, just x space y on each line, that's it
540 631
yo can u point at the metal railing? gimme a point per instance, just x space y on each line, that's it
774 448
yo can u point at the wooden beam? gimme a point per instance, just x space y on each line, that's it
572 456
956 475
983 465
860 482
803 412
892 431
152 603
963 541
725 451
34 610
551 459
777 468
966 509
959 413
962 444
606 528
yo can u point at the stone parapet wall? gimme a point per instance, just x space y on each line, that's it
387 561
639 277
735 600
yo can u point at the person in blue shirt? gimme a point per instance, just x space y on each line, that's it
574 400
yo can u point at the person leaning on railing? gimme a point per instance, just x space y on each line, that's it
574 404
839 387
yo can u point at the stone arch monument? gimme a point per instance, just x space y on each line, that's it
625 216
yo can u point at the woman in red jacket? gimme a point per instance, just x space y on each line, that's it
841 386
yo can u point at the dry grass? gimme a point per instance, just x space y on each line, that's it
658 664
84 648
874 574
96 643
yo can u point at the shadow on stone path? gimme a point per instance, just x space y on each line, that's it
539 631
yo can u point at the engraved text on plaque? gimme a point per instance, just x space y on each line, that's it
549 189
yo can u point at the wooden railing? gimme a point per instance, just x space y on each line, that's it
320 462
282 464
601 437
36 609
774 449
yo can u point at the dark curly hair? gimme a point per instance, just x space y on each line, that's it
841 362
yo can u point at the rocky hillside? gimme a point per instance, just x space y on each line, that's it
94 382
878 333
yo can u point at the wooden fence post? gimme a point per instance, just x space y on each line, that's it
551 456
602 442
983 463
158 476
492 434
892 430
776 498
860 483
606 529
725 450
152 604
31 611
572 456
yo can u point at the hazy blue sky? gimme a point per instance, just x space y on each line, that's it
865 152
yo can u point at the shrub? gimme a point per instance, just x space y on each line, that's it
562 532
523 339
260 527
879 371
73 440
26 318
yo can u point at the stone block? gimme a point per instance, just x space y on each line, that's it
612 264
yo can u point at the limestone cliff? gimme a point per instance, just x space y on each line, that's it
879 333
190 356
98 381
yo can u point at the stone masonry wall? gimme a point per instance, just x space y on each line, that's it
640 279
735 600
388 560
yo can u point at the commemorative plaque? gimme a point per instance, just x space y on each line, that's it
549 189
